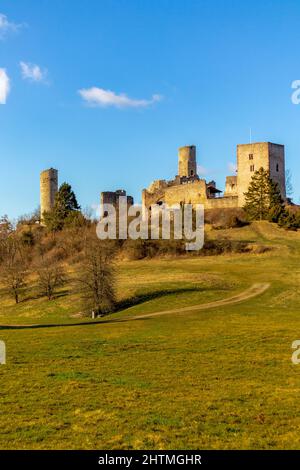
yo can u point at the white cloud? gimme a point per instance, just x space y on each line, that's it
33 72
104 98
232 167
7 26
4 86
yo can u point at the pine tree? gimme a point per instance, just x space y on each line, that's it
288 221
277 207
65 205
263 200
65 201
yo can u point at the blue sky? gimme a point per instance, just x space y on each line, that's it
107 90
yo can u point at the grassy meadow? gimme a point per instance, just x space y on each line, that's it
215 379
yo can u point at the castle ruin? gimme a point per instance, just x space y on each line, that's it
188 188
112 197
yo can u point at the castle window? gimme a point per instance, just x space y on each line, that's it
251 167
250 156
192 173
277 167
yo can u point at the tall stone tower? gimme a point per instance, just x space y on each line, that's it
251 157
187 165
48 189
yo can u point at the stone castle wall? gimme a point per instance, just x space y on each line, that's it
187 188
189 193
227 202
112 197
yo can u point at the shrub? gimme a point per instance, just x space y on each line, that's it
226 218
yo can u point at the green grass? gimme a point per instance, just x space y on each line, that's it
216 379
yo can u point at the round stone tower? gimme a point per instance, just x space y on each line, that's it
48 189
187 165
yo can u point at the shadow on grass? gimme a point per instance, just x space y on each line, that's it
58 295
62 325
142 298
123 305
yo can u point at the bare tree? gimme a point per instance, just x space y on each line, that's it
51 276
14 266
6 227
96 278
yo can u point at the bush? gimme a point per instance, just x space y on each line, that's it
133 250
221 246
226 218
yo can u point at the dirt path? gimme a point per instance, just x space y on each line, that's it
253 291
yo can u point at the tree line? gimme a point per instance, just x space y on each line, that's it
33 257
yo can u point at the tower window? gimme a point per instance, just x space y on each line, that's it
250 156
192 173
277 167
251 167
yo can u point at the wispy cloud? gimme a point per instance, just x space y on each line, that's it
98 97
232 167
33 72
7 27
4 86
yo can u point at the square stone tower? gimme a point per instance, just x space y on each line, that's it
251 157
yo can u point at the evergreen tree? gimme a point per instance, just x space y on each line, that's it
65 205
65 200
288 221
263 200
277 207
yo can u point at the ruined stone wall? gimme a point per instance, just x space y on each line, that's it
228 202
189 193
112 197
48 189
231 186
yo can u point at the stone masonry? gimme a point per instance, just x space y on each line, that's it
48 189
188 188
